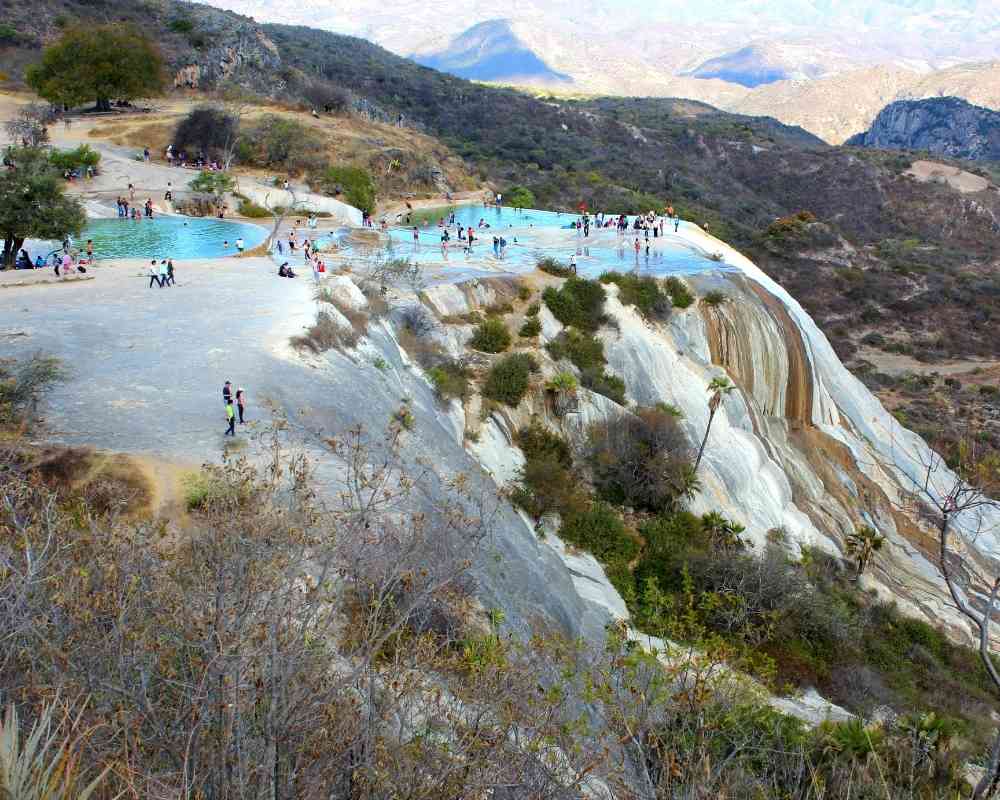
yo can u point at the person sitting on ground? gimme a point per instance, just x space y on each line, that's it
40 262
283 270
23 260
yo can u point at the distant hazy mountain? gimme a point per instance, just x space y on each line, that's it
943 125
755 65
839 106
491 51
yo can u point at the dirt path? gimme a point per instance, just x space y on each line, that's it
899 364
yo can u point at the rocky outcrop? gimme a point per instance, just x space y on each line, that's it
226 48
947 126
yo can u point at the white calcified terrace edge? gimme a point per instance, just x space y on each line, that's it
903 456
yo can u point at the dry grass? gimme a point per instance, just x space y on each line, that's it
137 133
327 333
105 482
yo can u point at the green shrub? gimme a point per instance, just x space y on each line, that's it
181 25
533 310
715 298
519 197
508 380
562 382
283 143
679 293
586 353
248 208
669 408
600 531
450 379
537 442
531 328
82 156
553 267
491 336
200 488
579 303
355 184
604 383
643 292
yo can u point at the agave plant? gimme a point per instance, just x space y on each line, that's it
45 764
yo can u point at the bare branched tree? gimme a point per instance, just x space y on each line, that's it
30 125
960 504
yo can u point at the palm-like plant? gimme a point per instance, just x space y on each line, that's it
724 534
861 545
718 389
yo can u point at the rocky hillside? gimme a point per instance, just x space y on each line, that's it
946 126
201 45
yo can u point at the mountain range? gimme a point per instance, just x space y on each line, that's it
827 66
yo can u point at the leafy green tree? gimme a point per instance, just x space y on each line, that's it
520 197
33 202
82 156
354 183
718 388
103 63
213 183
864 543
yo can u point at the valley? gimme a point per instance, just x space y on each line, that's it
578 446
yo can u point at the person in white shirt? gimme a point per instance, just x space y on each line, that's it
239 244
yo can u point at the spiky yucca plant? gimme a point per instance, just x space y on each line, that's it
44 765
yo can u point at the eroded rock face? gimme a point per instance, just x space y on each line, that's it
945 125
226 49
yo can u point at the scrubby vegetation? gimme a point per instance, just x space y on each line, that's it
530 328
491 336
680 294
554 267
642 292
354 184
508 379
450 380
579 303
642 460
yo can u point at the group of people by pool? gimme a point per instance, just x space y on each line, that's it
128 211
65 261
309 248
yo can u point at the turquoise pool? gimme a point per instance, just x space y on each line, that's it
169 237
532 235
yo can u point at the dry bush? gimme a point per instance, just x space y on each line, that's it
118 485
326 333
642 460
60 467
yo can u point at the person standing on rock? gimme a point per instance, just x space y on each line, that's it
170 272
164 276
230 418
227 392
154 275
241 399
239 244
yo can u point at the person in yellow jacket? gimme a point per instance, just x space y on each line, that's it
231 419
